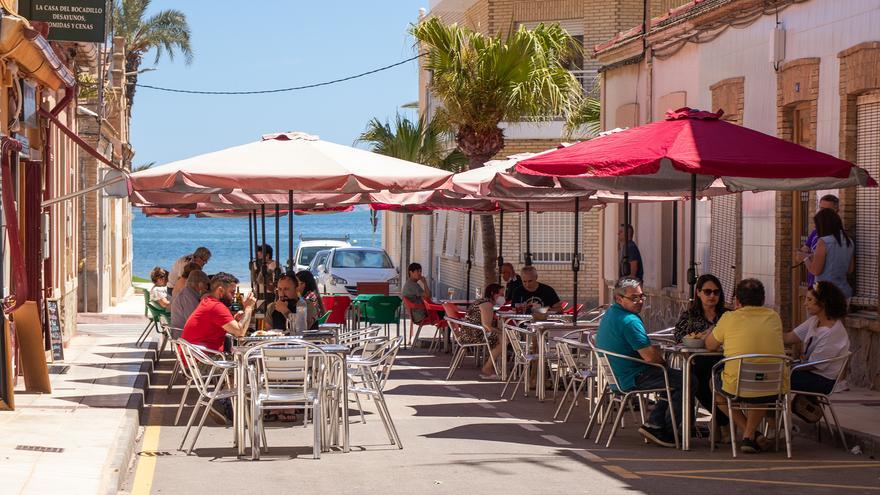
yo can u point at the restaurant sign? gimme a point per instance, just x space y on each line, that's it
69 20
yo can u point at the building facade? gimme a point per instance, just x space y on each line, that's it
805 71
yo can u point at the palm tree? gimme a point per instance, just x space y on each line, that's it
485 80
143 166
166 32
420 142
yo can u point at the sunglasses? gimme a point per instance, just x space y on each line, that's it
711 292
636 298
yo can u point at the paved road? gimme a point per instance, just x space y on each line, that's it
459 437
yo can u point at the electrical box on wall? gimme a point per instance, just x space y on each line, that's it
777 45
45 222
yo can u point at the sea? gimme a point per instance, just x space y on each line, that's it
159 241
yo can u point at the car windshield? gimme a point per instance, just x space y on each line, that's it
307 253
361 259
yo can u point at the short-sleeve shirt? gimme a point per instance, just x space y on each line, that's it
822 343
182 306
811 242
157 293
511 286
414 292
748 330
205 325
544 295
177 269
631 253
622 332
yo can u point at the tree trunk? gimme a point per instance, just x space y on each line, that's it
132 64
487 230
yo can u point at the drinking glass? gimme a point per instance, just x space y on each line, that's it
450 292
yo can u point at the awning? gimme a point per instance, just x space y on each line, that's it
24 45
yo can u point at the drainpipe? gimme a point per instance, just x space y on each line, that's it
431 254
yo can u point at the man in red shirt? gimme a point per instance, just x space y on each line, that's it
211 321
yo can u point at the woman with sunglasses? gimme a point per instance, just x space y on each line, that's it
697 321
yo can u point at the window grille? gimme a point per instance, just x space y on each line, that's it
867 231
552 237
723 243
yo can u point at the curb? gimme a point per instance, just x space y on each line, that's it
120 457
869 443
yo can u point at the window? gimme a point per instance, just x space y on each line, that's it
867 231
723 243
361 259
552 237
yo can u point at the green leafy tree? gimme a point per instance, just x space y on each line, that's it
416 141
166 33
485 80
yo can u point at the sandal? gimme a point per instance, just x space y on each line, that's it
287 417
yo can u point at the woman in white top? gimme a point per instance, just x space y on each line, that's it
823 336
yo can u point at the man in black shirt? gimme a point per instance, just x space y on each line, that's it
630 256
534 293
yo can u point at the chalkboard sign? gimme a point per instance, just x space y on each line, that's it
53 319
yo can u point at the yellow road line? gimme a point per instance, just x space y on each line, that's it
146 466
785 483
741 461
623 473
759 469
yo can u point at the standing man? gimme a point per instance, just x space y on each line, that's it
201 256
510 280
630 257
415 289
211 321
621 331
829 202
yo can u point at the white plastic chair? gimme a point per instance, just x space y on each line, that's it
765 377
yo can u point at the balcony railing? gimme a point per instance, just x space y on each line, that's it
587 78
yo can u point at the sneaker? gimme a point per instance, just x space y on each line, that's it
749 446
658 436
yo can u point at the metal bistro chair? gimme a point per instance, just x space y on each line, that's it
823 399
462 348
354 338
288 374
518 340
210 377
612 395
576 376
368 375
767 379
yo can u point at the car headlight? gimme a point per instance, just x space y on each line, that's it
393 281
338 280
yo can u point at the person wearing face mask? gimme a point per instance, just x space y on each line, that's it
481 312
211 321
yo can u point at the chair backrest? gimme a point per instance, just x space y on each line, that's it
386 360
383 309
515 336
606 371
158 313
760 374
410 306
570 311
337 305
323 318
564 351
288 367
146 294
202 368
563 305
373 288
372 347
354 338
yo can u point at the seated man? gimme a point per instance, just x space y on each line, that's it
201 256
622 332
278 311
534 293
211 321
187 299
510 280
750 329
415 289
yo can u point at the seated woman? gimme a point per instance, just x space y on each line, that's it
307 288
823 337
480 312
698 320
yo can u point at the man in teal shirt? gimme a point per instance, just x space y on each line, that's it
622 332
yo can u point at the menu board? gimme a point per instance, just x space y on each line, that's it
56 334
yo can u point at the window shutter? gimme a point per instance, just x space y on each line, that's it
867 231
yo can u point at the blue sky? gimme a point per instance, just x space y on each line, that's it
271 44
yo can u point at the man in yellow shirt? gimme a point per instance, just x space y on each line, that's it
751 329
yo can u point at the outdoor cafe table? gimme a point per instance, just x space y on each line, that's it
686 356
335 351
541 329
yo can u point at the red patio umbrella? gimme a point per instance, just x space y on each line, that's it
686 153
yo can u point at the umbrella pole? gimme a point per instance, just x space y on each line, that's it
692 270
467 287
575 261
528 237
290 231
264 285
251 249
500 243
624 260
277 239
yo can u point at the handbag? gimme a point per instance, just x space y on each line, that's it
807 410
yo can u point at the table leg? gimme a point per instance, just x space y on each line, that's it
541 363
503 322
686 403
238 418
345 442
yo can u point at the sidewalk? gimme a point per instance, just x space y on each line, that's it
859 413
90 421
